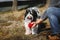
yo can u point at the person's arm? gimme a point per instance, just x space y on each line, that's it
42 18
39 21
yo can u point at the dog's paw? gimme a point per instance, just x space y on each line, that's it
27 33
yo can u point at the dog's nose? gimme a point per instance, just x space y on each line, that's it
29 17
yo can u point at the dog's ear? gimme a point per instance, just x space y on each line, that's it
34 13
38 13
26 12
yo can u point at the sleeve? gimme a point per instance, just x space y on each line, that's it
44 16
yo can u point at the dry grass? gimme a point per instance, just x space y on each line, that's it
12 28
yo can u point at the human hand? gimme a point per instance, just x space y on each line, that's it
37 22
34 24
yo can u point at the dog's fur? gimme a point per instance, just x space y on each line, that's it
34 13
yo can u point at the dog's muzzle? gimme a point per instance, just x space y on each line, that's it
29 17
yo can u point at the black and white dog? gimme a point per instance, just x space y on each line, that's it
31 14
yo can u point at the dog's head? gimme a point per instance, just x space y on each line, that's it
32 14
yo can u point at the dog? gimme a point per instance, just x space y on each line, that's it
31 15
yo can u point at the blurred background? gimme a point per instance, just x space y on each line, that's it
20 4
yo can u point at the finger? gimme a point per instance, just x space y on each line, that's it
33 25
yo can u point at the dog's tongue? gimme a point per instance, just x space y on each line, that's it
29 17
30 25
